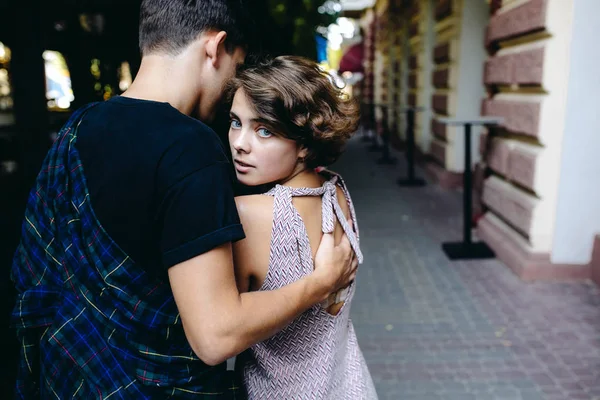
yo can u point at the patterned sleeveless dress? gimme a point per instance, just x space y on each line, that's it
317 355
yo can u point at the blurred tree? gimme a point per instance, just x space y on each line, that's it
289 26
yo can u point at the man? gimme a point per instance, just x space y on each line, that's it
126 247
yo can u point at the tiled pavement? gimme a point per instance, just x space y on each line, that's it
434 329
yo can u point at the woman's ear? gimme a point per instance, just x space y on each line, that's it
302 153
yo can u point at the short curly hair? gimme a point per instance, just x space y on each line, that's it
297 100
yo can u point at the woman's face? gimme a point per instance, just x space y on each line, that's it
259 155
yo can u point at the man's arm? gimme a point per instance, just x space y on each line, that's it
219 322
197 221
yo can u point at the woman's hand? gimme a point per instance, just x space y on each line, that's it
335 266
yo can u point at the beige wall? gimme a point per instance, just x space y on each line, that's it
529 74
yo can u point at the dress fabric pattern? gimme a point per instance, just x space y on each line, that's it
317 356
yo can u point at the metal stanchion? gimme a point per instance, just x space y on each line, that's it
367 116
375 146
411 180
386 158
467 249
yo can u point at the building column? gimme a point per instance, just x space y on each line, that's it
395 28
381 64
420 41
400 74
367 110
456 78
533 194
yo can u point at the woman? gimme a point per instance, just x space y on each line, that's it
287 118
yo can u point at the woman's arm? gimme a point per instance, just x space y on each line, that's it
251 255
220 321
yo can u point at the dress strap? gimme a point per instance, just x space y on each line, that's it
330 209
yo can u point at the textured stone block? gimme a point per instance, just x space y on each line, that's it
595 264
498 70
438 151
441 53
412 80
528 67
443 9
413 29
483 142
439 102
514 205
520 116
412 100
520 20
441 78
438 129
498 155
523 68
414 9
413 62
530 264
523 164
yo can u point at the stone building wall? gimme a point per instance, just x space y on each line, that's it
526 77
458 55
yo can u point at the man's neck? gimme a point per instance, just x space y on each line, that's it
164 79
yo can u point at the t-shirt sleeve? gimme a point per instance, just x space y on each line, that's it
198 213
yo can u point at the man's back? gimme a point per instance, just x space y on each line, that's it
134 154
93 315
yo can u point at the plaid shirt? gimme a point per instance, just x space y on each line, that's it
91 323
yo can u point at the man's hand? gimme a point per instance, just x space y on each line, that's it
335 266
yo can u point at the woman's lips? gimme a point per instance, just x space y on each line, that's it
242 167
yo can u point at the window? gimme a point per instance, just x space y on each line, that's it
6 100
58 81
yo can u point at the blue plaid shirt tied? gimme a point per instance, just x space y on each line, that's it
91 323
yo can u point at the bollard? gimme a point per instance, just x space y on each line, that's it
467 249
411 180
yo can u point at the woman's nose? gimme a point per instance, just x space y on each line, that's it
241 142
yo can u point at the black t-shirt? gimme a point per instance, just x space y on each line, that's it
160 182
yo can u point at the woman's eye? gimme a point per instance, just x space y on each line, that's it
264 133
235 124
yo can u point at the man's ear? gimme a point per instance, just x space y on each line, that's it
215 46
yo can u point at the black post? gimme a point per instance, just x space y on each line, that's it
467 249
386 159
375 146
410 143
410 152
365 122
468 191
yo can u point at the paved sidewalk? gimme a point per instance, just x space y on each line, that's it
435 329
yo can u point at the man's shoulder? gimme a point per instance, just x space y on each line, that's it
194 132
155 127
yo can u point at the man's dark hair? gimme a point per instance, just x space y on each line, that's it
169 26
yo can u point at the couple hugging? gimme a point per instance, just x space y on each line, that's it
139 273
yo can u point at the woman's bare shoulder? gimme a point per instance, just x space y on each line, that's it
251 255
255 210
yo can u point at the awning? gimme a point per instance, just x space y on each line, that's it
352 60
355 5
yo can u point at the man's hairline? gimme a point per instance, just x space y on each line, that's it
160 51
